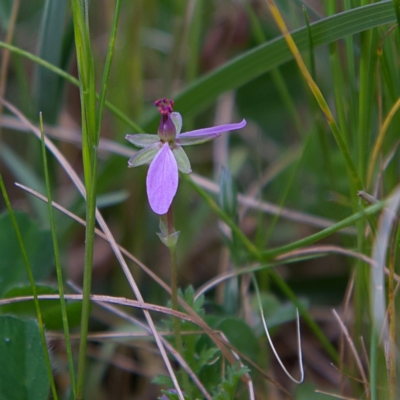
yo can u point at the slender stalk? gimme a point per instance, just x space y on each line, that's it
90 140
58 265
87 278
34 291
174 274
168 221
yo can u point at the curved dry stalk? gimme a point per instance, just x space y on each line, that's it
300 356
336 396
354 351
73 136
122 301
79 185
346 307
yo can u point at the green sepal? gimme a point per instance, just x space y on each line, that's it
144 156
177 120
169 240
142 139
182 160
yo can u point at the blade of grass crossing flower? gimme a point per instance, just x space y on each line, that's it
58 265
354 177
32 283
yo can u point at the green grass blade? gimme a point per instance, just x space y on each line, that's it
58 264
49 86
107 67
90 139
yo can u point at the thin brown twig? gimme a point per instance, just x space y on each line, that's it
354 351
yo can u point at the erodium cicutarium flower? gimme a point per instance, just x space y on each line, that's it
165 154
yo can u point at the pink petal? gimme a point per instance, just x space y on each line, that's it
162 180
203 135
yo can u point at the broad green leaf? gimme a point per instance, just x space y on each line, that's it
38 246
23 373
240 335
51 309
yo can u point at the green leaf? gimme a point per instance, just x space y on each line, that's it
51 309
38 246
240 335
23 373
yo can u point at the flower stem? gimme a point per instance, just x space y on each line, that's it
174 281
168 221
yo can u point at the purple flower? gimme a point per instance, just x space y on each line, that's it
166 155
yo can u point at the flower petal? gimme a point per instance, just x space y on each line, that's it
177 120
145 155
162 180
142 139
204 135
182 160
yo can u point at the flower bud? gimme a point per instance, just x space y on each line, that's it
167 129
